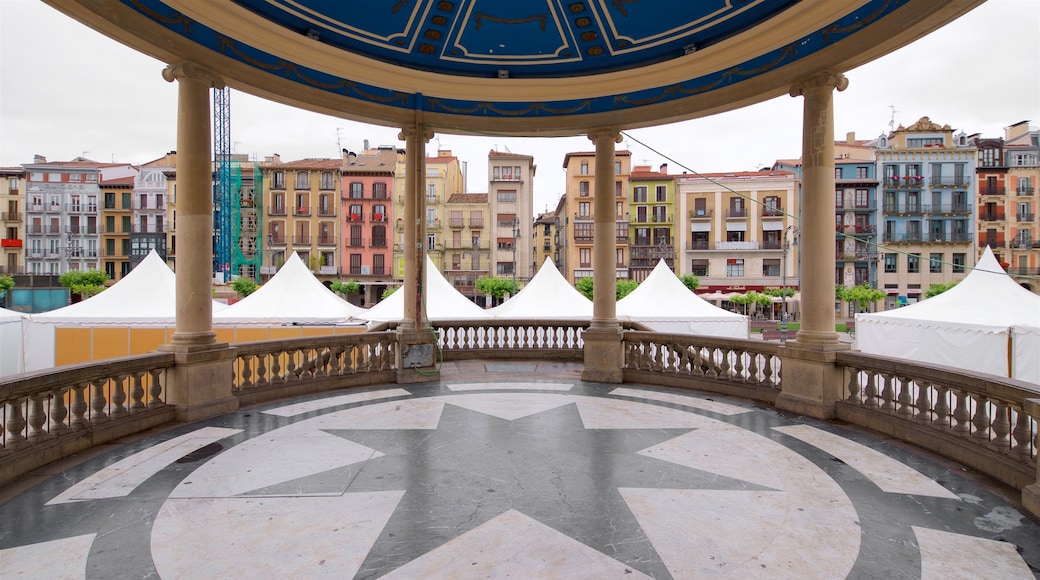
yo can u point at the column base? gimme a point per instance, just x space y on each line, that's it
812 382
604 354
199 384
417 357
818 340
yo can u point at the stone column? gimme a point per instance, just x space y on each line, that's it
200 383
1031 492
417 346
812 380
816 231
603 338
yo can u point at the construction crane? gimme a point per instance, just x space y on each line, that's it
222 184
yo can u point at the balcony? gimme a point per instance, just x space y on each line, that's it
736 213
997 243
991 190
81 230
12 216
701 214
924 238
740 246
276 240
1026 217
10 243
326 240
301 240
992 216
354 243
379 218
456 223
301 211
476 224
698 245
356 218
276 210
1025 191
944 182
148 229
326 211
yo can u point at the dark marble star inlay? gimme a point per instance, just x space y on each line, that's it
548 466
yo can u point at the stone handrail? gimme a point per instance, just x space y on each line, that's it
976 419
51 414
518 339
743 368
274 369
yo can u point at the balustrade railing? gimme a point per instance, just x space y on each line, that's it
510 338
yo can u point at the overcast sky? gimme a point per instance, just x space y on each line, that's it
67 91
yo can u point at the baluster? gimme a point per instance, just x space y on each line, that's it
1023 436
155 389
981 419
15 424
725 371
924 403
888 394
768 373
853 386
78 407
136 392
98 401
738 367
245 373
119 396
961 414
58 411
903 408
755 372
1001 426
942 406
37 418
338 360
870 391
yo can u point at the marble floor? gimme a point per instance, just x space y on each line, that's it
513 470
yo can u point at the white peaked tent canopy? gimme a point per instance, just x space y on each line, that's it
547 295
292 296
11 351
986 323
443 302
665 304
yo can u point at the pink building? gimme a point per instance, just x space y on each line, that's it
368 183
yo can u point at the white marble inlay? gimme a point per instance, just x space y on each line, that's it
307 407
597 413
513 545
282 455
948 555
887 473
64 559
728 451
311 537
403 414
462 387
689 401
508 406
122 477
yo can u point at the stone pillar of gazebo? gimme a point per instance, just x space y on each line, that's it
1031 492
416 355
603 339
199 385
812 382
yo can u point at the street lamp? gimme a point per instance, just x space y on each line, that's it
793 231
516 236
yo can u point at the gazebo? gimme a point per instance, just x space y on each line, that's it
521 68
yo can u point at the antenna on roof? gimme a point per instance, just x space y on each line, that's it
892 119
339 142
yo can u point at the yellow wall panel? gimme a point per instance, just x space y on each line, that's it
111 342
71 346
145 340
250 334
225 335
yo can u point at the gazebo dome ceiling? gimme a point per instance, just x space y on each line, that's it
517 66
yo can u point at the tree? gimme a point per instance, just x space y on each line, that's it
244 286
939 288
387 292
6 283
584 286
622 288
779 292
690 281
862 296
344 288
752 297
497 288
84 283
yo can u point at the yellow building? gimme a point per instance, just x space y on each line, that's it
12 216
577 216
443 179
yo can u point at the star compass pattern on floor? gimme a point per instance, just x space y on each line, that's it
511 479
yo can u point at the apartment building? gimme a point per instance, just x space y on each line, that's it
116 226
149 220
652 220
543 238
742 228
367 206
467 253
301 209
1007 175
578 216
443 180
928 176
855 214
511 201
12 220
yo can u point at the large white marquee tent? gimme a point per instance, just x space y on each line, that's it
986 323
548 296
11 351
443 302
665 304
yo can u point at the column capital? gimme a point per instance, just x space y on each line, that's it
610 133
193 71
821 80
411 131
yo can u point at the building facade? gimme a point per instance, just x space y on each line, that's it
467 247
652 220
578 218
443 180
367 210
117 223
855 215
741 230
12 220
149 220
511 201
928 234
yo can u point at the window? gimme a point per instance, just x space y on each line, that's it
303 180
431 217
662 193
585 257
619 256
302 203
278 180
959 261
699 267
583 188
505 244
431 193
772 205
379 190
357 190
862 198
734 267
771 267
584 167
890 263
431 242
327 182
379 236
700 205
734 235
126 200
736 207
110 200
935 263
639 194
506 196
924 142
617 167
584 209
505 220
837 173
862 172
504 268
913 263
583 230
839 198
110 224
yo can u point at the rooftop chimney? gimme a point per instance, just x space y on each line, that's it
39 158
366 145
664 168
850 137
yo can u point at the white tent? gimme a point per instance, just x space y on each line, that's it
985 323
11 351
443 302
546 295
292 296
146 296
665 304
